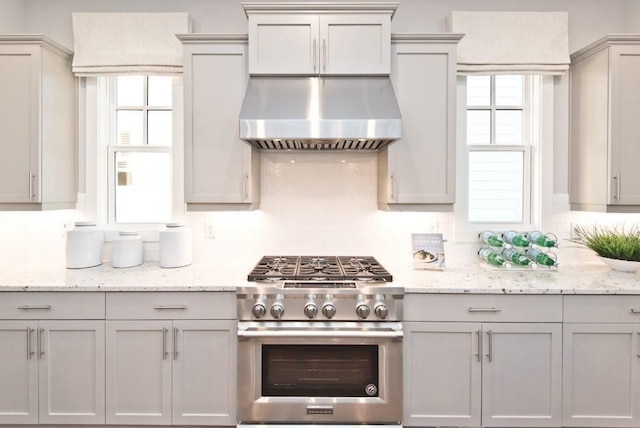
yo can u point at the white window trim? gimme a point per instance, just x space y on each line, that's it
541 164
93 202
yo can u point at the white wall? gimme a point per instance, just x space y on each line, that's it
13 16
632 16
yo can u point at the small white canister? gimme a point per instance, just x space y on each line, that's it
84 245
127 250
176 245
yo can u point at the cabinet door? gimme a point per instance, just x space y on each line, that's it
625 126
18 372
204 372
442 374
601 384
71 372
284 44
138 371
219 167
355 44
420 168
522 374
19 122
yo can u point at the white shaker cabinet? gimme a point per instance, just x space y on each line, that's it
601 361
605 106
221 171
168 361
419 169
52 355
483 360
37 124
316 39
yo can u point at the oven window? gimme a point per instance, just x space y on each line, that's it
319 370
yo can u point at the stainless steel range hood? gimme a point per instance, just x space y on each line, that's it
320 113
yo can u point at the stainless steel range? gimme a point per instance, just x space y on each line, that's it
320 342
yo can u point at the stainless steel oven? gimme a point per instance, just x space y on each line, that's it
320 342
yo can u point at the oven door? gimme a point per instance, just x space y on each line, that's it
334 372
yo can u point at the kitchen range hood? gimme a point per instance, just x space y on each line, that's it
320 113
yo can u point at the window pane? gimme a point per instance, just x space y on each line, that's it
159 132
143 187
159 91
508 126
478 127
496 186
478 90
130 91
129 127
509 90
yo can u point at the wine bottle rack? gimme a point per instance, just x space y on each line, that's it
512 250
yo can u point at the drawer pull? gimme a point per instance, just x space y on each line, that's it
490 353
170 307
46 307
40 333
164 343
485 309
175 343
479 354
635 311
29 351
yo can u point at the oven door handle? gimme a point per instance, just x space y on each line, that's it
366 334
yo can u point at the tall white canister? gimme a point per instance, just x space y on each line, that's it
84 245
176 245
127 250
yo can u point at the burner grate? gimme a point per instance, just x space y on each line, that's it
329 268
274 268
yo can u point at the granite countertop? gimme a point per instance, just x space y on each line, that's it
466 276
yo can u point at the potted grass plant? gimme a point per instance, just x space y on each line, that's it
617 246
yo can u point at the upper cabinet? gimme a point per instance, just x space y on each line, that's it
315 38
418 171
221 171
605 106
37 124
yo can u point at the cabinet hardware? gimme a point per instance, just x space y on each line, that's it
490 353
31 180
617 178
160 307
26 307
40 333
635 311
164 343
246 187
315 52
324 54
638 354
393 187
484 309
29 351
479 353
175 343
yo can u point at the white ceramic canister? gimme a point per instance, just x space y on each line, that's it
127 250
84 245
176 245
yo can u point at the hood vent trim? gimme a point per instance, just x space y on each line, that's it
355 113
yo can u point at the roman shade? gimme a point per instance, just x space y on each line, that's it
511 42
128 43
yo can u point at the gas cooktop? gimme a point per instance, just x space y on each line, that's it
319 268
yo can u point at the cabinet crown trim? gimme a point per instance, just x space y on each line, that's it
426 37
604 43
318 7
195 38
36 39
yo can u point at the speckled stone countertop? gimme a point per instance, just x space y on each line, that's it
467 276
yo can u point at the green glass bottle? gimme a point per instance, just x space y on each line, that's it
493 239
514 238
538 238
517 258
541 258
493 258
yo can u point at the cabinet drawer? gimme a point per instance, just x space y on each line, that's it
171 305
602 309
54 305
483 308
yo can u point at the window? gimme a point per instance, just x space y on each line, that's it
139 165
498 121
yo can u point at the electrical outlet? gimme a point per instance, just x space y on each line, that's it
208 230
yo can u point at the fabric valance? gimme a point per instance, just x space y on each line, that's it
511 42
128 43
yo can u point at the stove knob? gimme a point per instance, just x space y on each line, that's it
277 310
381 310
363 311
258 310
329 310
310 310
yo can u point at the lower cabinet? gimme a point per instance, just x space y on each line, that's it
601 361
174 371
486 365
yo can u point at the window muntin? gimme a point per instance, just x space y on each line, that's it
139 150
